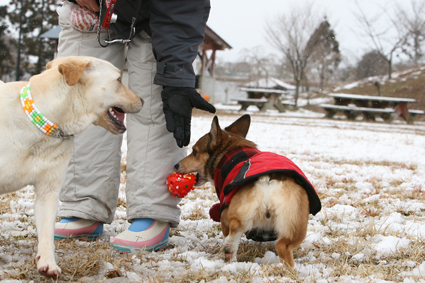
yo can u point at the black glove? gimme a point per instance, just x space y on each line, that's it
178 104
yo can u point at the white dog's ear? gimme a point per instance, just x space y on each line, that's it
72 70
49 65
241 126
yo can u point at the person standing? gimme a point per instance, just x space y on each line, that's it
165 36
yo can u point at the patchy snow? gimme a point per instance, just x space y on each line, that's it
348 86
395 77
371 181
252 109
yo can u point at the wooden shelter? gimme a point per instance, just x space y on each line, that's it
212 42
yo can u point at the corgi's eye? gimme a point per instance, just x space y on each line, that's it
194 152
119 79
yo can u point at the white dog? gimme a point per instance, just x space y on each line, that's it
39 119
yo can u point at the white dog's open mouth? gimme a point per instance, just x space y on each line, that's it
117 116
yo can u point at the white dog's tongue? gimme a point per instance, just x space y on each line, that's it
117 114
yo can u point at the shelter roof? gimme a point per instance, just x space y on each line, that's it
214 41
52 33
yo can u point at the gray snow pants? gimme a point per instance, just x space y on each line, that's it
91 187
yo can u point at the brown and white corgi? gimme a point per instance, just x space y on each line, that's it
262 194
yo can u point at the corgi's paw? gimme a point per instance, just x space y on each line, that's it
228 254
48 267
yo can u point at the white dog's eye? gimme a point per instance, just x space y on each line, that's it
119 79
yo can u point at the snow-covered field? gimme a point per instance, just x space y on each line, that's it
371 181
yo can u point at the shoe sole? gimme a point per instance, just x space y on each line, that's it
85 237
127 249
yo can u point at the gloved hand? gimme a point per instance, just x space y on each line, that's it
178 104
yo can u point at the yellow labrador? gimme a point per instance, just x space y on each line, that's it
39 119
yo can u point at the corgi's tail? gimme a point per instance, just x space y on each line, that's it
290 205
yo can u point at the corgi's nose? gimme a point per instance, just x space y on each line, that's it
176 166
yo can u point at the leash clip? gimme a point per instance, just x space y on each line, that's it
116 40
61 135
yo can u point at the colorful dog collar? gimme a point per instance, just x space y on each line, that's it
35 116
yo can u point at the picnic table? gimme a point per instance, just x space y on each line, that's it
388 108
264 99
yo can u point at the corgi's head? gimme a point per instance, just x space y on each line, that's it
209 149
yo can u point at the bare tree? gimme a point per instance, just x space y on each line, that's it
258 61
412 19
290 34
386 40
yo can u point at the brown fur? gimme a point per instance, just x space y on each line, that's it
274 201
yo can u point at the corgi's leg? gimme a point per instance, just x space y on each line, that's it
292 215
45 206
284 251
231 241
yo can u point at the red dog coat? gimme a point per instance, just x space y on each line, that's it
242 165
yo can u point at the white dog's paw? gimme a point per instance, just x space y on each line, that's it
48 267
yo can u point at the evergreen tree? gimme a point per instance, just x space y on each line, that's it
39 17
324 51
7 44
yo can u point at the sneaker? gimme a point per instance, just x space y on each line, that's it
77 228
143 234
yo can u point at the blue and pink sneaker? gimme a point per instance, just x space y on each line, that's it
77 228
143 234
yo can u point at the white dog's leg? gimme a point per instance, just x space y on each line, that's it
231 245
45 216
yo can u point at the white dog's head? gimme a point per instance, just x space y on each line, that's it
97 91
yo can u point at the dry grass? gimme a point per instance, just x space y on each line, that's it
98 261
5 202
370 212
75 260
406 85
196 214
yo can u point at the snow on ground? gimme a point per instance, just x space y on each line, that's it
371 181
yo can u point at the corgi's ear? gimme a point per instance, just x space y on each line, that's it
241 126
215 133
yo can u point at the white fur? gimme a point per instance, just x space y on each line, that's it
274 198
29 157
264 192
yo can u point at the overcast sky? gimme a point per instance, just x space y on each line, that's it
241 23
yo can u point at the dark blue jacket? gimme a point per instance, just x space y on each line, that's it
177 28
